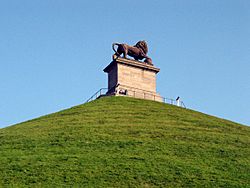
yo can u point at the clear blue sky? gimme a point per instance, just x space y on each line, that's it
52 52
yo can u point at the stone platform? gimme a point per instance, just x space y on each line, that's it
132 78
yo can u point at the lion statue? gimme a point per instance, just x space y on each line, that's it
138 51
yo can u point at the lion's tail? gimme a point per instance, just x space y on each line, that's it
113 46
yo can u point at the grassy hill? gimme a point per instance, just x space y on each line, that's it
125 142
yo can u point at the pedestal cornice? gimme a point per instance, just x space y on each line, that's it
133 63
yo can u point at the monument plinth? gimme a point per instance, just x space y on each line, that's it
132 78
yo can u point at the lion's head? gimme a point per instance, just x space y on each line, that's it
142 45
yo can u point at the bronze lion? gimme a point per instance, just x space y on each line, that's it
138 51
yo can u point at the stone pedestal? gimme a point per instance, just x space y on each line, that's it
132 78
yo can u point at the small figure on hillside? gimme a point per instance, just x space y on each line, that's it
138 51
123 92
178 102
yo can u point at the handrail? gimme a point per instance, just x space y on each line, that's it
105 91
113 88
182 104
144 93
97 94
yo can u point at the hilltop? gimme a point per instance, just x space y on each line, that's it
125 142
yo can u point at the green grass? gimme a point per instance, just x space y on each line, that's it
125 142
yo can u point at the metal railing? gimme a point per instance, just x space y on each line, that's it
100 92
122 90
143 94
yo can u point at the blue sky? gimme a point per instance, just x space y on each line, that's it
52 52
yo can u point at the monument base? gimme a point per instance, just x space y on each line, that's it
127 77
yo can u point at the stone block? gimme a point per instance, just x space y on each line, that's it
138 79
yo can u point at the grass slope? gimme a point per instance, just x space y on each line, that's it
125 142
